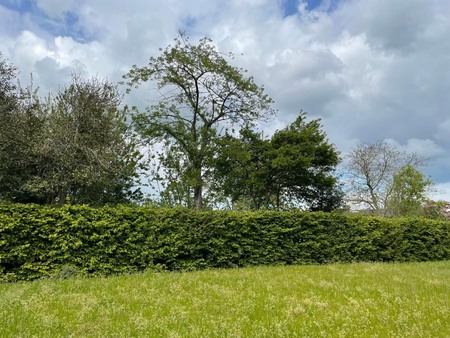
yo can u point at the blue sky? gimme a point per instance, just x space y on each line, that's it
64 25
370 69
290 7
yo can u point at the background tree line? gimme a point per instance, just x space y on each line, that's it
83 145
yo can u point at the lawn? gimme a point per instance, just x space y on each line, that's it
351 300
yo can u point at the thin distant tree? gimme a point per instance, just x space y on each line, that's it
371 169
8 87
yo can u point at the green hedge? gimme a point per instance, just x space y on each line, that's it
37 241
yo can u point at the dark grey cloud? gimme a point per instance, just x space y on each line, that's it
391 26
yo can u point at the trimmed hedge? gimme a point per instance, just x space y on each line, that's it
37 241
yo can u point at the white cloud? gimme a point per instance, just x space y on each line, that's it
426 148
390 26
29 48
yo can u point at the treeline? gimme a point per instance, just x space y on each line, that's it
42 241
82 145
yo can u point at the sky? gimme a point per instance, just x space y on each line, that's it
370 69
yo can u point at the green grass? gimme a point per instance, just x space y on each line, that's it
356 300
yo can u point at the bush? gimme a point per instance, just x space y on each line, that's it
41 241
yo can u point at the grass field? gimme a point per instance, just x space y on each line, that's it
356 300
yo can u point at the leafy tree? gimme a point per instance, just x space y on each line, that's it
74 145
304 162
371 169
408 192
292 169
242 170
201 97
88 154
328 198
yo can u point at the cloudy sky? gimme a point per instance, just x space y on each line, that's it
370 69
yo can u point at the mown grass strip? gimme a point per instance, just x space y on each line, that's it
351 300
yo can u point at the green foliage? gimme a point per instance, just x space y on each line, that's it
242 170
408 192
294 168
8 89
89 155
21 135
20 132
39 241
201 94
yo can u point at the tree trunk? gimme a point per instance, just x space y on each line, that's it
198 198
198 187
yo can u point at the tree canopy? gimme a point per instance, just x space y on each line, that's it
90 152
82 145
202 96
8 87
409 188
21 124
294 168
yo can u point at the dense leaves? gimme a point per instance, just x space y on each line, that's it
409 190
21 125
91 157
37 241
294 168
